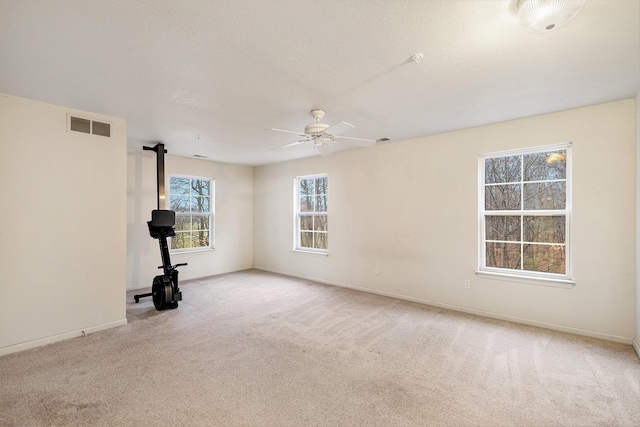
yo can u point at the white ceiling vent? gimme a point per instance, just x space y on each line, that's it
81 124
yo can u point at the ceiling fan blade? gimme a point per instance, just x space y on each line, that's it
295 143
289 131
338 128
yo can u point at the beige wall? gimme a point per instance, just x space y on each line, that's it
233 218
636 341
406 208
410 209
62 225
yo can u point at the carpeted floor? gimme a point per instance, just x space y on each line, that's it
254 348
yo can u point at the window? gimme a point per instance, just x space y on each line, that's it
192 200
525 212
311 213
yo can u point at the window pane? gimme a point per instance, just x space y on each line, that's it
321 203
306 203
320 223
181 240
306 239
306 187
306 222
200 204
179 186
311 215
321 185
200 187
320 241
502 169
179 203
200 222
502 197
191 199
545 166
200 239
545 258
183 223
547 229
503 255
545 195
503 228
535 182
175 242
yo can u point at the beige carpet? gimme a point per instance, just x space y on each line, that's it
254 348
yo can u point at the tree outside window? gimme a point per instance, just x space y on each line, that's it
311 213
525 211
192 200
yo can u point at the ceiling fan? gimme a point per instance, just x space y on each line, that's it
324 136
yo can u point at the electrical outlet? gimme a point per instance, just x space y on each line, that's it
376 271
336 265
467 284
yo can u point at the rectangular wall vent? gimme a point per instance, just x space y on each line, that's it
80 124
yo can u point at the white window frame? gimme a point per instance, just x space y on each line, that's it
212 205
297 215
553 279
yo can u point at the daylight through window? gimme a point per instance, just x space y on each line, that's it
311 213
192 200
525 212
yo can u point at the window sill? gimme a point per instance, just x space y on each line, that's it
191 251
302 251
543 281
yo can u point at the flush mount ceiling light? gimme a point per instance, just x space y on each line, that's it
540 16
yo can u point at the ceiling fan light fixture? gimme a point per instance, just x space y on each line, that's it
324 149
541 16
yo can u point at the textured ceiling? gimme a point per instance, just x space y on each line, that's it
209 77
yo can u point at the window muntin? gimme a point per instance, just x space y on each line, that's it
192 200
311 230
525 212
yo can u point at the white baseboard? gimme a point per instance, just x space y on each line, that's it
482 313
636 347
60 337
